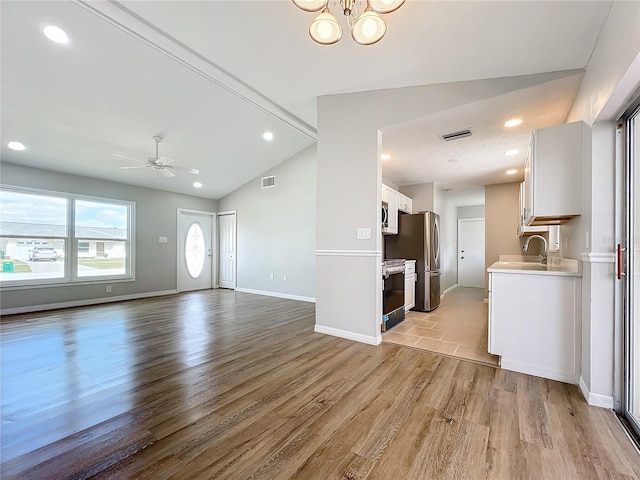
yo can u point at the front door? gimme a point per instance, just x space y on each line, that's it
227 229
471 252
195 257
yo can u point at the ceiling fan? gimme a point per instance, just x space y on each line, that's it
161 164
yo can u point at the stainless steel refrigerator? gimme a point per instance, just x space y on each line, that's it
418 239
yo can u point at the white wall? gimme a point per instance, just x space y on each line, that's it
276 229
156 216
611 78
448 203
422 196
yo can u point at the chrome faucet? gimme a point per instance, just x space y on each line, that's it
544 240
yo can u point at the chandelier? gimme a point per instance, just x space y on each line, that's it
367 27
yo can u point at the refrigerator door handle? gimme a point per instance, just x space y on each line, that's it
436 241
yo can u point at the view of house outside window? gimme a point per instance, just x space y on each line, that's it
57 238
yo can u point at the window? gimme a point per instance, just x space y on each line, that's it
54 238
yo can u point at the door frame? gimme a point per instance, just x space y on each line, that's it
625 301
460 220
214 245
235 258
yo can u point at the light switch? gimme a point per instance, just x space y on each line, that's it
162 239
364 233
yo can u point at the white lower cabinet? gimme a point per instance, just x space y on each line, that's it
410 285
534 324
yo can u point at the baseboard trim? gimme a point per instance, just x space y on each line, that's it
277 294
558 375
84 303
449 289
356 337
595 399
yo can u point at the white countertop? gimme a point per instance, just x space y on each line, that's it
555 266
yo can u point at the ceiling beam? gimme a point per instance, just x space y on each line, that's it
123 18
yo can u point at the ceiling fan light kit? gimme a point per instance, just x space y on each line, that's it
367 28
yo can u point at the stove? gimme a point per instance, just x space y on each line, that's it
393 292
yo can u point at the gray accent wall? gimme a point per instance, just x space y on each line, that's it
276 229
156 216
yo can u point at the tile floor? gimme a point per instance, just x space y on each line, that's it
458 327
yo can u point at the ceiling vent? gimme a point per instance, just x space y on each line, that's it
448 137
268 182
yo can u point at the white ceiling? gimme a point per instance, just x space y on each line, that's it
212 76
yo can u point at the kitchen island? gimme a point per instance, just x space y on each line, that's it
534 317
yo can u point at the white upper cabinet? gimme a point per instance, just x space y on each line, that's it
523 229
405 204
553 173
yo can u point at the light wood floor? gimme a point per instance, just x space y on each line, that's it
458 327
227 385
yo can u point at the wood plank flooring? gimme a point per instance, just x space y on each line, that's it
225 385
458 327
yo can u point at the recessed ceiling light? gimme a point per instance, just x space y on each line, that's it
16 146
512 171
197 184
385 156
56 34
268 136
514 122
512 152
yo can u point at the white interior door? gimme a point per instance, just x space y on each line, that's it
471 252
227 242
195 254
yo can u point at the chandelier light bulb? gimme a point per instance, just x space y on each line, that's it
369 28
366 28
310 5
385 6
325 29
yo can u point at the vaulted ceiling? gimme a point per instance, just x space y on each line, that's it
211 77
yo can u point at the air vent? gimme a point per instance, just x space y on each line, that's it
268 182
448 137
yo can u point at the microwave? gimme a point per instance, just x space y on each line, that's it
385 216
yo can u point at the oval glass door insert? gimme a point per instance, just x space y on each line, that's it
195 250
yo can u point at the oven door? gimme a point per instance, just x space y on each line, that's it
392 300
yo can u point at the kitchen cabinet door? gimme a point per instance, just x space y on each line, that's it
404 203
410 279
553 173
534 324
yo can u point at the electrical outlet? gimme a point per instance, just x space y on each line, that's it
108 288
272 276
284 278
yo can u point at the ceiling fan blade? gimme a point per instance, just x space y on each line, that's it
128 158
193 171
165 160
167 173
136 166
